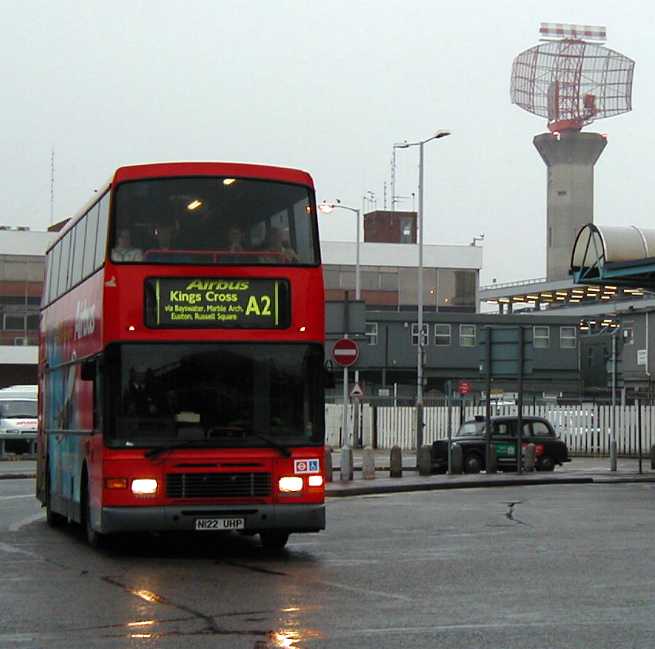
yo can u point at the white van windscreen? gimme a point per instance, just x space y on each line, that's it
15 409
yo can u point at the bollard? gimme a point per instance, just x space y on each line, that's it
456 459
613 455
529 455
652 457
346 464
327 464
368 464
491 459
424 458
396 463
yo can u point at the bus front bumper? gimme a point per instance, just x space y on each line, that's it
292 518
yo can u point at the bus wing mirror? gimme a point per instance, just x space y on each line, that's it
88 372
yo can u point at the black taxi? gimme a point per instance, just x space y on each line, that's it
550 450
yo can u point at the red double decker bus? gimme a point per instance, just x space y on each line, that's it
181 355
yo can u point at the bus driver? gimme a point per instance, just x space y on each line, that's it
123 251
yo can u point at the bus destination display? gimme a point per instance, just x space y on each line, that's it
212 302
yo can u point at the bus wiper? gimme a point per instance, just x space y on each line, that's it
158 450
271 442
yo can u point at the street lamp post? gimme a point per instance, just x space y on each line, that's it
326 207
419 358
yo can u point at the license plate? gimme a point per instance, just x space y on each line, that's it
219 524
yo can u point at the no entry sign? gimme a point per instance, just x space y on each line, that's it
464 388
345 352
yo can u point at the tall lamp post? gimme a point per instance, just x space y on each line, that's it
419 358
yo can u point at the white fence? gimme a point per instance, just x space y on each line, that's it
585 429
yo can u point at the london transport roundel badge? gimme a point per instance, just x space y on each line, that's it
306 466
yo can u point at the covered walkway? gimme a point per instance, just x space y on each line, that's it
619 255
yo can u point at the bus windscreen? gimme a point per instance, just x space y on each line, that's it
213 220
218 394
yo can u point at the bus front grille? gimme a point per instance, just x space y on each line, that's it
218 485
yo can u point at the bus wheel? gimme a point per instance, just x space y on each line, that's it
52 518
274 540
94 539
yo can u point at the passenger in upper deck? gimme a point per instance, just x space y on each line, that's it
279 243
235 239
123 251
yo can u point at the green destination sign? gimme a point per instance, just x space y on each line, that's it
210 302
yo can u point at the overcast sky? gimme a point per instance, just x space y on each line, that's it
325 85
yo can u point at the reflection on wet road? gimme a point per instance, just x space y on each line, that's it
412 570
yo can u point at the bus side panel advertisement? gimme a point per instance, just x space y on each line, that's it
71 331
216 302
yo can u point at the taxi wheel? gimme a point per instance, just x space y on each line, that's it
274 540
472 464
546 463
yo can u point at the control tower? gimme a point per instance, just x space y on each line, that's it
571 80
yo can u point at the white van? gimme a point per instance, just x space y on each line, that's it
18 412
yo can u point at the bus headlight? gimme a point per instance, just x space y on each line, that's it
290 484
315 480
144 486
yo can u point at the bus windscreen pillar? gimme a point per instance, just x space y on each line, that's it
570 157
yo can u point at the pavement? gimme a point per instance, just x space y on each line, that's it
581 470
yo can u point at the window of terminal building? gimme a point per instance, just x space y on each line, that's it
442 335
414 334
408 287
567 337
369 278
467 335
455 289
388 278
372 333
628 335
406 230
20 322
541 337
347 279
331 277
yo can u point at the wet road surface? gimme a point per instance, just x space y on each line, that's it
528 567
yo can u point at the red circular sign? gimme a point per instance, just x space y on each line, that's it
464 387
345 352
